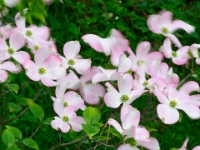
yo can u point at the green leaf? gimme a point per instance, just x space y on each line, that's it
14 148
8 138
15 131
13 87
150 129
36 110
130 141
91 115
23 101
14 107
90 130
30 143
180 117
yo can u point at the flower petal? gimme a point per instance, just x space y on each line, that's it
71 49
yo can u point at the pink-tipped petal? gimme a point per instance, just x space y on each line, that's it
179 24
76 123
21 56
189 87
93 41
167 114
152 145
82 65
71 49
115 124
17 41
48 82
161 97
112 97
3 75
166 48
142 49
9 66
174 40
124 64
125 83
190 109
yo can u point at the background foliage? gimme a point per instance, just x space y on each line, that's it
72 20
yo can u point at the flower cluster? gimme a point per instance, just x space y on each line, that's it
78 82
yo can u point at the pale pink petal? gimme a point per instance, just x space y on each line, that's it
76 123
55 72
152 23
93 41
184 146
179 61
166 48
127 147
31 70
161 97
141 134
153 56
16 41
189 87
20 21
195 99
142 49
92 93
82 65
64 127
179 24
196 148
48 82
107 44
124 64
190 109
41 55
69 112
115 124
112 97
174 39
115 57
87 76
167 114
183 52
100 77
116 33
152 145
3 75
125 83
9 66
132 118
58 105
21 56
71 49
173 94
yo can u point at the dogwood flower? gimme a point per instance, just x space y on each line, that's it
11 3
71 50
162 24
115 45
66 119
126 95
47 68
167 111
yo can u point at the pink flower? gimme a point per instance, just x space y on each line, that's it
70 98
143 56
16 43
167 111
47 67
184 146
162 24
66 119
71 50
115 45
126 95
179 57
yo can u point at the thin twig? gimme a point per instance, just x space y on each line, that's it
67 144
182 81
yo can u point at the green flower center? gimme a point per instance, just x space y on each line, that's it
65 104
71 62
145 83
164 30
29 33
174 54
36 47
173 103
124 98
65 118
139 62
42 71
11 51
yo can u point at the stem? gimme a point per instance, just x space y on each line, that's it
67 144
25 110
184 79
3 110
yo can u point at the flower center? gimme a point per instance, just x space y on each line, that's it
36 47
65 104
124 98
71 62
11 51
42 71
65 118
174 54
29 33
173 103
145 83
139 62
164 30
